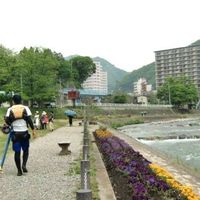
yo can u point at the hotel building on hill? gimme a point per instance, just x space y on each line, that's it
98 81
182 61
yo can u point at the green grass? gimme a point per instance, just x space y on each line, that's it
93 181
40 133
125 122
74 168
60 120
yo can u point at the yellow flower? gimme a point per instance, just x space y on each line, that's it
103 133
185 190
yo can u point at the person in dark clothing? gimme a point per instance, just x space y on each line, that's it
18 117
70 120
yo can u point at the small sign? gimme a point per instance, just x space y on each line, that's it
73 94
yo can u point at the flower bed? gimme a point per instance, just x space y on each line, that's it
134 177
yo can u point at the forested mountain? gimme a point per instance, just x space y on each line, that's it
121 80
195 43
147 72
114 74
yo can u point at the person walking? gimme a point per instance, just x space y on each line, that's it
36 120
70 120
44 120
18 117
51 120
70 114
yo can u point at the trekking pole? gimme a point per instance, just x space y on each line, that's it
5 150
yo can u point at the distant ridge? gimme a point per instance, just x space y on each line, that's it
115 74
70 57
147 71
119 79
195 43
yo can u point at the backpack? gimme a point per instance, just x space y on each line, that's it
17 112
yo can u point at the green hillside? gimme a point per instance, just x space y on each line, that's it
195 43
119 79
147 72
115 74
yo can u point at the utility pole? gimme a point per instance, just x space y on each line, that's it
169 93
61 93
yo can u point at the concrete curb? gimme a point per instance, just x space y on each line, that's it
104 185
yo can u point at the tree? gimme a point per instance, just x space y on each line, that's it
120 98
65 74
152 98
178 91
7 61
82 67
37 71
3 98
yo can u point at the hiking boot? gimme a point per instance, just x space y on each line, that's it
24 169
19 173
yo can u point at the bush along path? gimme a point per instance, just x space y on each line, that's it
133 176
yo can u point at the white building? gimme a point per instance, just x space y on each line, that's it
142 100
97 81
141 87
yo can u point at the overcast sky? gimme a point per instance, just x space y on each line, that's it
124 32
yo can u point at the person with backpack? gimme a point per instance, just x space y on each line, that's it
18 117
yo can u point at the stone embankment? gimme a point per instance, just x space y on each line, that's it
170 137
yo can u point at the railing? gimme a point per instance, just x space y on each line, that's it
116 105
85 192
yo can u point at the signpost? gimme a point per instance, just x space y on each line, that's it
73 95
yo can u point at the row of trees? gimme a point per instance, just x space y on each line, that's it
39 73
178 91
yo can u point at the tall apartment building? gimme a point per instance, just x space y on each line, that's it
141 87
98 81
183 61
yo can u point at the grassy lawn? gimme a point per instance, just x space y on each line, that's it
60 120
57 124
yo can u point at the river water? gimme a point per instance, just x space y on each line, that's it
185 151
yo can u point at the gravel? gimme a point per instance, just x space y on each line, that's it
47 176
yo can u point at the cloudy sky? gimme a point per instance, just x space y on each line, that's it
124 32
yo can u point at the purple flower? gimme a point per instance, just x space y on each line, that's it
133 169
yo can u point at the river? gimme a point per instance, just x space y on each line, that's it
165 137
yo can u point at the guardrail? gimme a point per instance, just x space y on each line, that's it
133 105
85 192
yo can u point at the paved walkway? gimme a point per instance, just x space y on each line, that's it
47 177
